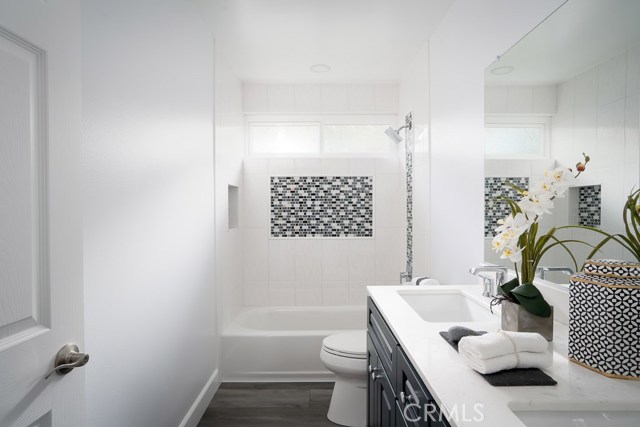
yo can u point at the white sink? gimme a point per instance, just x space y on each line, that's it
585 418
577 414
446 306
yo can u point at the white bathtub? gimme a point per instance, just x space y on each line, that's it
283 343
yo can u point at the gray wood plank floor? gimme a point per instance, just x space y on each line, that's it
269 405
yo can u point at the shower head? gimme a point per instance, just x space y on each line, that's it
394 134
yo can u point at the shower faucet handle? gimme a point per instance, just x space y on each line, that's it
405 276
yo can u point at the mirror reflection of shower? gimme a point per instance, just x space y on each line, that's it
578 93
394 135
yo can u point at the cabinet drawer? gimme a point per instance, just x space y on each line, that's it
381 336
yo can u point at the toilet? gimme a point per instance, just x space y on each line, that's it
345 354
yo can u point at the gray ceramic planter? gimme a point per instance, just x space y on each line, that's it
515 318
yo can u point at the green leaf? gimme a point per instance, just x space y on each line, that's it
506 288
518 189
531 299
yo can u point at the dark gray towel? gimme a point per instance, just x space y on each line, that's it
456 333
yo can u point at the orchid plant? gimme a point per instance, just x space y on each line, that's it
517 236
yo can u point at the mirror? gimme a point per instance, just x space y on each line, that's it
572 85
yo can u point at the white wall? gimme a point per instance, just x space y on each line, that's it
414 97
470 37
311 272
149 209
229 154
316 98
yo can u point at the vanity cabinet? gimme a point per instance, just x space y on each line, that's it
395 394
381 407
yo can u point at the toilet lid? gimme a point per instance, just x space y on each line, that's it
350 344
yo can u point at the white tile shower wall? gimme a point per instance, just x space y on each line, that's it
307 272
334 98
520 100
598 113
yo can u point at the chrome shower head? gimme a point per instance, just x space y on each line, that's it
394 134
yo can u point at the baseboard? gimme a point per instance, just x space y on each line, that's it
196 411
283 376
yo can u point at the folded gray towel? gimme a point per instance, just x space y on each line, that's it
456 333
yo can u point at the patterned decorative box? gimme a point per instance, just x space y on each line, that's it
612 268
604 318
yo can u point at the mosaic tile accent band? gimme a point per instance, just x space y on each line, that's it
321 206
409 182
495 209
589 205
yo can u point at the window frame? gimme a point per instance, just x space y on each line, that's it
321 120
521 121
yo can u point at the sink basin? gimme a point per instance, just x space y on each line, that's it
577 414
581 418
446 306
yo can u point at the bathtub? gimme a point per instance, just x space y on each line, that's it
283 343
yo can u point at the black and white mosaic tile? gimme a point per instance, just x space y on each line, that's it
494 208
409 182
321 206
589 206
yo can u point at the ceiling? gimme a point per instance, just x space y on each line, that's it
361 40
578 36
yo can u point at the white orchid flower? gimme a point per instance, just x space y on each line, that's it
559 178
498 243
536 203
512 253
542 187
519 223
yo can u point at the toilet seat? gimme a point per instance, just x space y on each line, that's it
352 345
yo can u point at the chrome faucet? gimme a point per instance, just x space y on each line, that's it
541 271
491 281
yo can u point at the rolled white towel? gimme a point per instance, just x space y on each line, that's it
418 280
508 361
502 343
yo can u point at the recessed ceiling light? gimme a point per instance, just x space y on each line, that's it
320 68
502 70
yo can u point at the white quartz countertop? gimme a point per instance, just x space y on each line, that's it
466 396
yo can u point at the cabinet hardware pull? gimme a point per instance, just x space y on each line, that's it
375 377
404 398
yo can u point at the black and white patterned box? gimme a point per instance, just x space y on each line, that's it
604 319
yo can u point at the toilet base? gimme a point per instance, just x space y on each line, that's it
348 405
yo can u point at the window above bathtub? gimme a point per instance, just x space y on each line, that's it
319 136
517 137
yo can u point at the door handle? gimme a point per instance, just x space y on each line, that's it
68 358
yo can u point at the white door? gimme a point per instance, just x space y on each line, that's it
41 301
